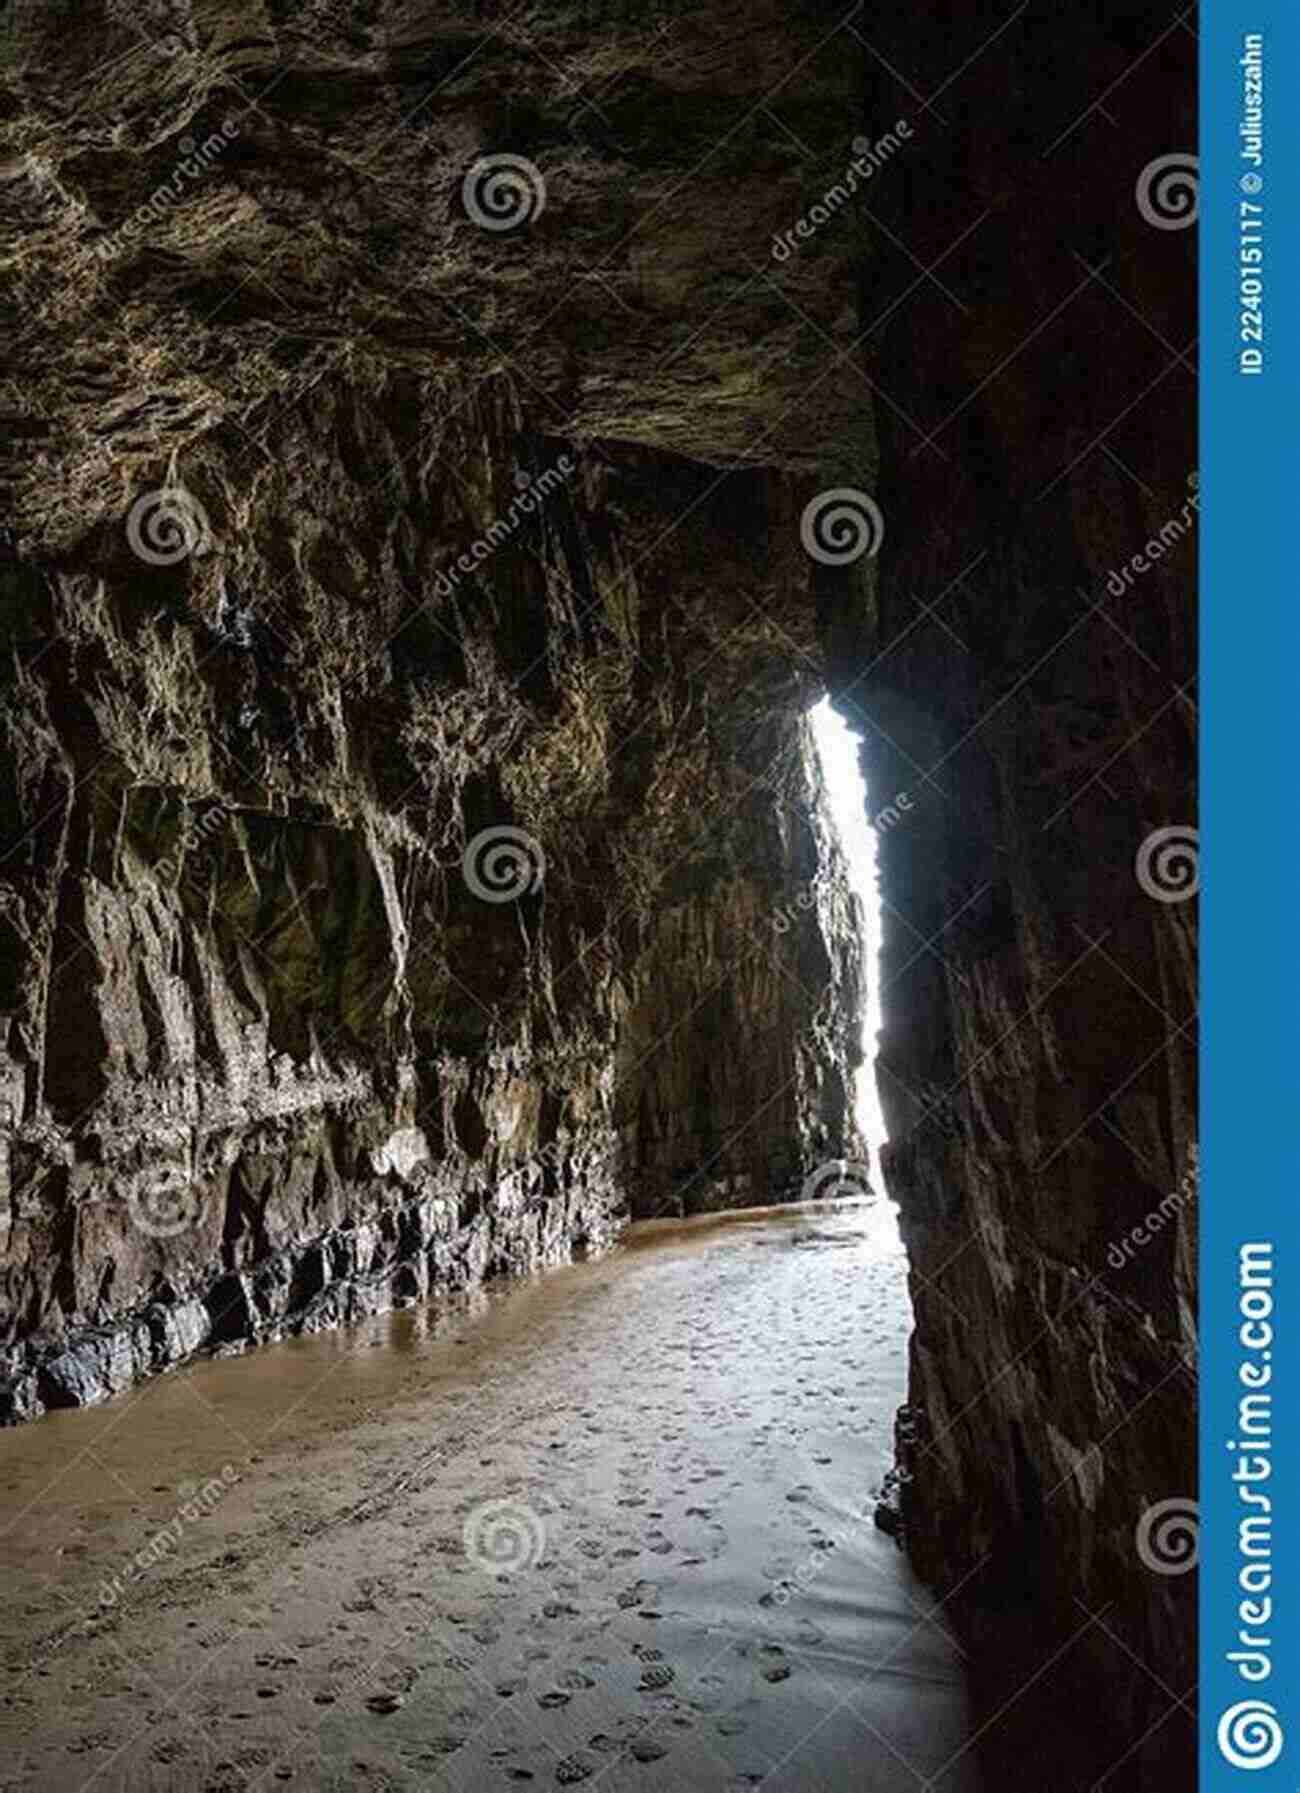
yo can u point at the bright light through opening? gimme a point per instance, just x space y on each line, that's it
837 750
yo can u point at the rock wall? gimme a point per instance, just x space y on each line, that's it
1038 975
279 1053
213 207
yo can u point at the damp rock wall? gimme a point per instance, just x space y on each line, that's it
341 893
1023 665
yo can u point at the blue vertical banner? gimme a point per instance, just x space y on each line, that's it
1250 896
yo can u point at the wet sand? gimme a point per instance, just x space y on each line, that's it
610 1525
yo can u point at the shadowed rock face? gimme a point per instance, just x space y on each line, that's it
280 1051
247 738
1038 1065
223 207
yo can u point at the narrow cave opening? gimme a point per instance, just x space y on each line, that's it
847 798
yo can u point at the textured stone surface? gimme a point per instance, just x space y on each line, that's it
279 1064
1038 1064
220 207
240 954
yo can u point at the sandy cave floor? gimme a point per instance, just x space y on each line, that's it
609 1525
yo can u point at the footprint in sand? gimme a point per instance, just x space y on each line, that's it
732 1725
383 1703
645 1749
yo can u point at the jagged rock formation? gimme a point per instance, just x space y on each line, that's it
281 1052
1038 1065
236 939
221 206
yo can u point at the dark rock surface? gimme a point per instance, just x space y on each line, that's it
245 969
279 1064
1038 1064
